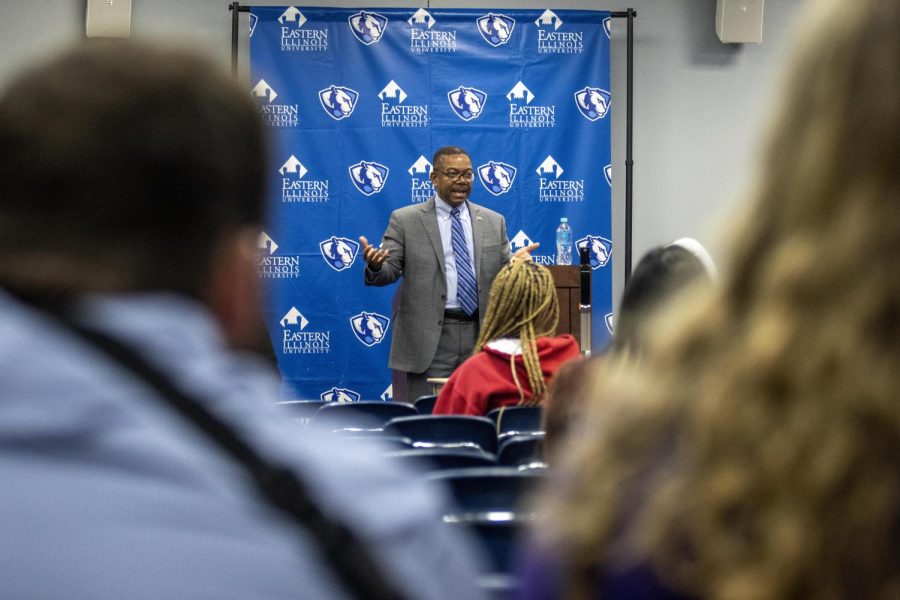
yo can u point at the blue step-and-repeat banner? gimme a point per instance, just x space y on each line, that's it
359 100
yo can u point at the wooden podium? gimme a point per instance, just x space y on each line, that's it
568 290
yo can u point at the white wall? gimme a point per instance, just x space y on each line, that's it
698 104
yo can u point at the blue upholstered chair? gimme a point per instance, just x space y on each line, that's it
301 410
500 539
436 459
495 493
446 430
363 415
425 404
513 420
491 501
521 450
388 443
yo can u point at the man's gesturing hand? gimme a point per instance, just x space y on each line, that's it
374 257
524 254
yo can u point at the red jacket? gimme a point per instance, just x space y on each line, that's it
484 382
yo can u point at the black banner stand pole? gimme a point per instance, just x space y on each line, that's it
628 14
235 8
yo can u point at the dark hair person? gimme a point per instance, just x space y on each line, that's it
660 277
757 453
64 228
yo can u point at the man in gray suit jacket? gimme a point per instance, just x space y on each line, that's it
448 251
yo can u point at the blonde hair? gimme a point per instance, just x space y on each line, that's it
763 434
522 304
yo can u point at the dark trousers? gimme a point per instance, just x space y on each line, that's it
458 336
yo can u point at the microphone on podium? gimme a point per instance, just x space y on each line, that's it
584 306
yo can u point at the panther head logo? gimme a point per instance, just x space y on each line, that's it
337 394
467 102
368 177
600 248
497 177
367 27
370 328
496 29
593 102
338 101
339 252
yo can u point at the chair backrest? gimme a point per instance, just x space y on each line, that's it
363 414
518 450
516 419
425 404
436 459
501 540
446 430
301 410
496 490
388 443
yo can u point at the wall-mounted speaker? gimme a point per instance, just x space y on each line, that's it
739 21
108 18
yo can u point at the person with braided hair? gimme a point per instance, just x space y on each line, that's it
515 355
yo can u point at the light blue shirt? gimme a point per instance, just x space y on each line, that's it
444 225
108 493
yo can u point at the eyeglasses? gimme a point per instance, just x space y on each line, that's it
454 175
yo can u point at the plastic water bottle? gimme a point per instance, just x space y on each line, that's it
564 242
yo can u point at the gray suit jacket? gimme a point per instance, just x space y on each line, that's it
415 253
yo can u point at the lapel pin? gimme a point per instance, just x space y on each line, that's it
478 218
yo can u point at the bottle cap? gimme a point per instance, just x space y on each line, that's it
564 219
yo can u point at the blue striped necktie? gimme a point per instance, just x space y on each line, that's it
466 293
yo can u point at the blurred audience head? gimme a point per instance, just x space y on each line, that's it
755 455
567 396
660 277
125 167
661 274
523 305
